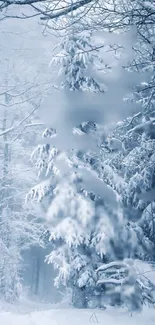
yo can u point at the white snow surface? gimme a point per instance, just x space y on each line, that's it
41 314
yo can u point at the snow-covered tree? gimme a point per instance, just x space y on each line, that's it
82 212
131 172
130 147
78 56
19 228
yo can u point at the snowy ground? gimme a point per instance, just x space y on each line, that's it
58 316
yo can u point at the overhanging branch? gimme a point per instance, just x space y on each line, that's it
65 11
46 13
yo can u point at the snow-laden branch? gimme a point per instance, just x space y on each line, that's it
143 127
139 114
33 124
65 11
105 267
19 124
6 3
26 126
111 281
46 12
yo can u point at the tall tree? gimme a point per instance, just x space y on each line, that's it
82 224
19 227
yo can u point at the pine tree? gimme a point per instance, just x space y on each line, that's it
81 221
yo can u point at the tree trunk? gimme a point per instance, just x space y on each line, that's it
79 297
